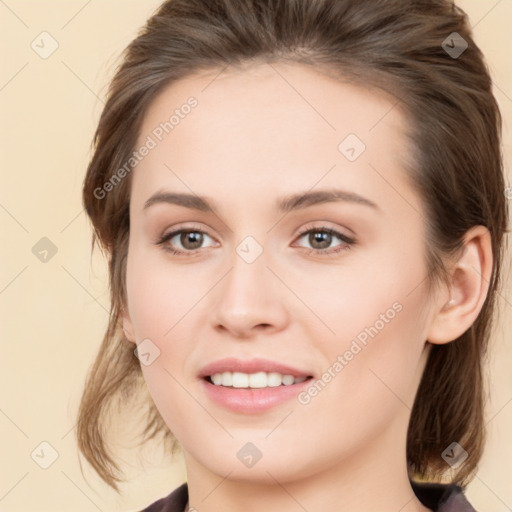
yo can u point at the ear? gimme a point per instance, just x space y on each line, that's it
127 325
458 308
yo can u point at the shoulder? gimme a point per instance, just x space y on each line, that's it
175 502
442 497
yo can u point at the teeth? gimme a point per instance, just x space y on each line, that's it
254 380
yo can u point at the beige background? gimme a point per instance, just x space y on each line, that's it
53 314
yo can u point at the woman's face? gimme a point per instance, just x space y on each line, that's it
305 257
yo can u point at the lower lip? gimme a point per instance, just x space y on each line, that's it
252 400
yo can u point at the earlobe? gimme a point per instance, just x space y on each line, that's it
127 326
470 276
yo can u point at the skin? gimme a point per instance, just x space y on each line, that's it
258 134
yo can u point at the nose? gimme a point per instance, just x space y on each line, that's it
250 300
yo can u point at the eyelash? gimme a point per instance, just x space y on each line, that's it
346 245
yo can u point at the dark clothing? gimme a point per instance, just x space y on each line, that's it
442 498
437 497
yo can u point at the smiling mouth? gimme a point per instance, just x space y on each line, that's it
258 380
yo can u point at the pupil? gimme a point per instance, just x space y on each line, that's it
321 237
193 237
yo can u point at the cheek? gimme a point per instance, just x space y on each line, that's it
369 392
379 315
380 365
367 290
163 305
159 294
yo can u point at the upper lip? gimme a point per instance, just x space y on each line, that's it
232 364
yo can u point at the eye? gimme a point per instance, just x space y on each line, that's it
320 238
190 239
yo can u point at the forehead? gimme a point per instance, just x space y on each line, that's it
272 125
276 96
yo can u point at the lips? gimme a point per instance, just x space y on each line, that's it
232 364
255 399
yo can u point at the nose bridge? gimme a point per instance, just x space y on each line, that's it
248 295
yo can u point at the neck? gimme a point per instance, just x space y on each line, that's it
373 479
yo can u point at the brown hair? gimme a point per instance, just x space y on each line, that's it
393 45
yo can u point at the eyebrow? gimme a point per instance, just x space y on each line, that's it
285 204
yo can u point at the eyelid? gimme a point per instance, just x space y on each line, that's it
324 226
179 228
